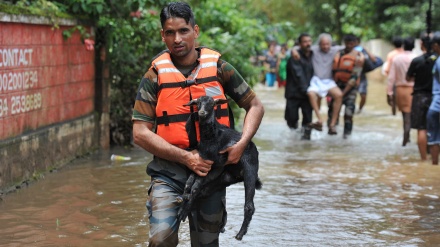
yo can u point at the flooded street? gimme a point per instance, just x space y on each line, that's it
367 190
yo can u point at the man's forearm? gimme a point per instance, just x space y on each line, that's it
252 120
156 145
390 86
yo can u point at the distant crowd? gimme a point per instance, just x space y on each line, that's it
338 73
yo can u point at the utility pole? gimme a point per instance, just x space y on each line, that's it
429 19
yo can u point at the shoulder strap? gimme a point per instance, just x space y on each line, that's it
158 55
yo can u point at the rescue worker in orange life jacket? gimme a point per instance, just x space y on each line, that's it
179 74
347 67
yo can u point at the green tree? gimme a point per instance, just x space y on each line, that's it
283 19
405 17
226 29
339 17
130 32
365 18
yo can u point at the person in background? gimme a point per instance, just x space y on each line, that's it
398 48
283 57
270 65
433 117
371 62
299 73
420 71
403 89
322 83
347 68
180 73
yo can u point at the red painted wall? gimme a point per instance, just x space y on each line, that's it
44 78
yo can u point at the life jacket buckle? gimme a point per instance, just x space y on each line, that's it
189 83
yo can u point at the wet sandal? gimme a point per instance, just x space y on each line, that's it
316 125
332 130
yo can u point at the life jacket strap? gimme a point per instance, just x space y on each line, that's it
167 119
187 83
342 70
219 112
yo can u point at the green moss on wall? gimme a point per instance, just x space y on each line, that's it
19 10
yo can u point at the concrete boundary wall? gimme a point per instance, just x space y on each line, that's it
49 92
35 20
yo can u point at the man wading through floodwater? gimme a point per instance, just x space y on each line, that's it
177 75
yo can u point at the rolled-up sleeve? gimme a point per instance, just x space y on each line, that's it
146 100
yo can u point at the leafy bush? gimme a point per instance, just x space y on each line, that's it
130 32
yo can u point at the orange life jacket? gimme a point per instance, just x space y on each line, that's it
343 65
175 90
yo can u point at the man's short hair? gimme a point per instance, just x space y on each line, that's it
397 42
436 38
302 35
426 40
408 44
350 38
179 10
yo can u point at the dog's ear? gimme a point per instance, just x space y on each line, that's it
221 101
192 102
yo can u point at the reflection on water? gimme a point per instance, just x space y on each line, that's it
92 202
363 191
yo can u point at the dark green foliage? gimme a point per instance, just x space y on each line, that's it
406 17
238 29
225 28
132 39
370 18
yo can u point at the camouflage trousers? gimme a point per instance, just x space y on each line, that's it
349 101
206 220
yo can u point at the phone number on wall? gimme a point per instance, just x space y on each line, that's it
20 104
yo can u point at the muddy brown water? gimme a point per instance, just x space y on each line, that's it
363 191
